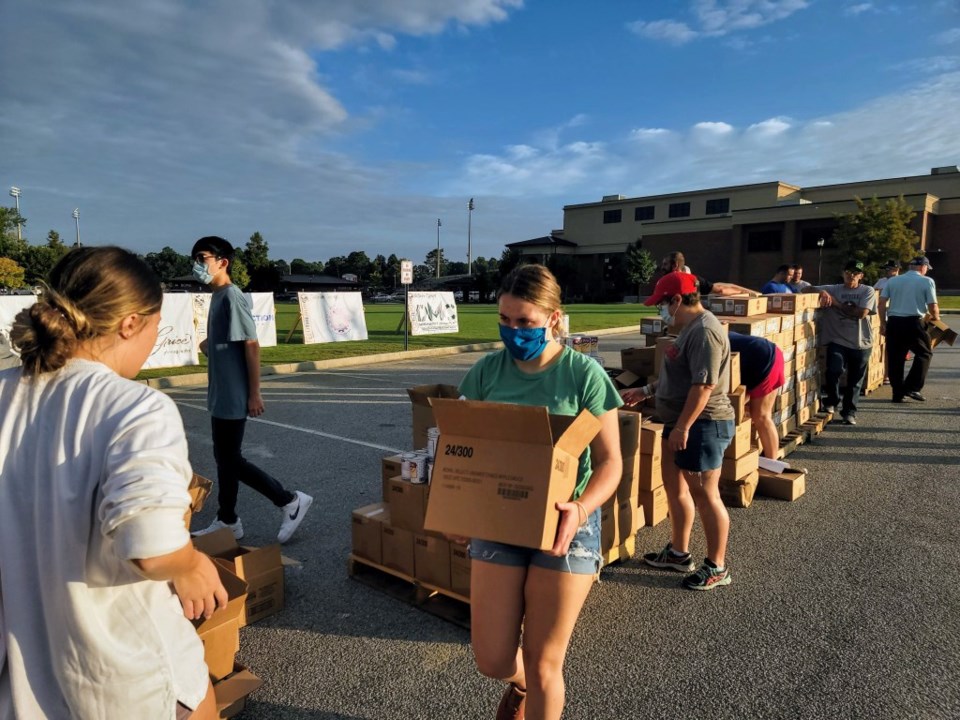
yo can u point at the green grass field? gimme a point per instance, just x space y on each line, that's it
478 323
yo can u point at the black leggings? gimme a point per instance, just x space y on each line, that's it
233 469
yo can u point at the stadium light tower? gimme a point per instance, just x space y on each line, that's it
469 247
76 216
15 194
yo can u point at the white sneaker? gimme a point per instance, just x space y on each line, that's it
218 524
293 513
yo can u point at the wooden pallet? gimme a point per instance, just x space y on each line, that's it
440 602
621 552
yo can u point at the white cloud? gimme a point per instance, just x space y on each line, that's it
857 9
645 134
716 18
770 128
949 37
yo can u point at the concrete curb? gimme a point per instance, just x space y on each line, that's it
175 381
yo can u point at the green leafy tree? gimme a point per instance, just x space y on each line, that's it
38 261
11 274
358 263
54 241
256 255
877 232
9 245
508 261
640 265
169 264
336 266
239 273
392 272
431 262
281 267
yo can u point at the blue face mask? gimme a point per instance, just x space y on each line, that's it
201 273
524 343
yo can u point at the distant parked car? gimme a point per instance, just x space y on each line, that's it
286 297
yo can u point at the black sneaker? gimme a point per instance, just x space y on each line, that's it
916 396
707 578
667 560
850 419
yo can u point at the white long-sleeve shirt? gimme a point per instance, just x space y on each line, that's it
93 473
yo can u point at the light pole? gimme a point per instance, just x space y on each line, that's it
15 194
820 243
438 249
469 248
76 216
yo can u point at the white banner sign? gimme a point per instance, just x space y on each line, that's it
261 306
432 313
10 305
332 317
176 339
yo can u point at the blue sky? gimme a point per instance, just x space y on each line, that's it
339 126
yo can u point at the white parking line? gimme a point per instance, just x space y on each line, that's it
309 431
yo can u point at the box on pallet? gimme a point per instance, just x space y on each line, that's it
738 399
408 503
641 472
739 493
740 444
460 569
220 633
422 412
756 326
260 568
738 306
619 520
431 559
654 504
365 531
503 469
735 468
397 548
629 423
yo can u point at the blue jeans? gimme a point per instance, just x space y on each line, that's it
855 362
583 557
706 442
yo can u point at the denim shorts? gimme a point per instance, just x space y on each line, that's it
706 442
583 557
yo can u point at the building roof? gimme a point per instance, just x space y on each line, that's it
545 241
328 280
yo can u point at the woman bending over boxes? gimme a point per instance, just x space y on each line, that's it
514 588
94 554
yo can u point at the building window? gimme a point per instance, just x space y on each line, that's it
643 213
765 241
679 210
719 206
611 216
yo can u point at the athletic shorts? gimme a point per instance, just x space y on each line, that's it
773 381
706 442
583 557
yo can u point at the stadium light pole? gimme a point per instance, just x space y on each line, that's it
76 216
437 259
469 246
820 243
15 194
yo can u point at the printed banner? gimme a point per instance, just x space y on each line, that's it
10 305
261 307
332 317
176 339
432 313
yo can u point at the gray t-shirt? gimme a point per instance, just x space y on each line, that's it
229 325
835 327
700 356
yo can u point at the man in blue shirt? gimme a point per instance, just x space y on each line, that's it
780 283
904 301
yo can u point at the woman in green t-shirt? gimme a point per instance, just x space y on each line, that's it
513 587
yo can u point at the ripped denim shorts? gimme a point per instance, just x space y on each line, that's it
583 557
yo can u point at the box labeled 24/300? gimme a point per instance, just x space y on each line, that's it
501 468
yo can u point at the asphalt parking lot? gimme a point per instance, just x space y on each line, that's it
844 604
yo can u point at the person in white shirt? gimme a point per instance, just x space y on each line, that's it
892 269
98 577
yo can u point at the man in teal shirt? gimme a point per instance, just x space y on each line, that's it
904 301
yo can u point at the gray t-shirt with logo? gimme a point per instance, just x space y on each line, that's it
229 325
700 356
849 332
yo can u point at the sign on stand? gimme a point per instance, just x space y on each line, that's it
432 313
406 279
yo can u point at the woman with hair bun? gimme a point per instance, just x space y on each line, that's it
94 555
516 590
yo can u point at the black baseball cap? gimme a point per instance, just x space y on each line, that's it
921 260
854 266
890 265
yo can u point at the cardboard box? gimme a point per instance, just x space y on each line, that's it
639 360
365 530
940 332
654 503
803 414
739 493
397 546
629 432
628 379
787 323
734 371
509 466
737 305
389 468
785 427
199 489
260 568
740 445
630 519
735 468
756 326
220 633
431 560
652 326
640 472
232 692
460 569
608 524
784 400
663 343
420 397
651 440
804 330
786 485
408 503
738 399
792 302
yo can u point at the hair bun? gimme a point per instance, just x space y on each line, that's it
44 337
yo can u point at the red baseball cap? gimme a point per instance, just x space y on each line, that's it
675 283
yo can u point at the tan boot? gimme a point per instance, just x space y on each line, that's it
512 703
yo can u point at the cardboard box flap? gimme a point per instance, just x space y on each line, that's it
219 543
236 594
235 687
421 394
505 422
580 431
